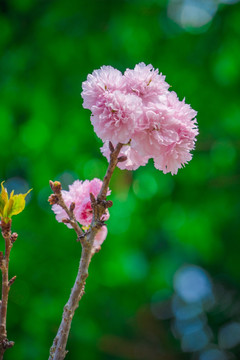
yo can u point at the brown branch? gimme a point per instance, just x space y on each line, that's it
112 164
4 265
57 198
99 205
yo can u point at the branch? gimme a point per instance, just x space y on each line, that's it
6 283
112 164
99 205
57 198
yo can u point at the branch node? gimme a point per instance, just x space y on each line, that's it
13 237
7 344
56 186
53 199
107 204
6 227
66 221
11 281
72 207
111 147
99 224
92 198
122 158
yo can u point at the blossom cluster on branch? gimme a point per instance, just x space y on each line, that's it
79 194
138 110
137 118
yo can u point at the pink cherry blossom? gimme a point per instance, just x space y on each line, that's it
106 79
137 110
79 193
146 82
148 138
180 131
116 115
100 237
170 136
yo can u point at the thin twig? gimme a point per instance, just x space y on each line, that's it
57 198
112 164
99 205
4 265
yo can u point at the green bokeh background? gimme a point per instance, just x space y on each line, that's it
158 222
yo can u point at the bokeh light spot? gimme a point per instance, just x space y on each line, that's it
19 185
213 354
229 335
192 284
192 13
195 341
67 178
183 311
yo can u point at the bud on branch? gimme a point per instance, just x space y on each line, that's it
111 147
11 281
66 221
122 158
72 206
53 199
56 186
13 237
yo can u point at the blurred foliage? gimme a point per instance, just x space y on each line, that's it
158 222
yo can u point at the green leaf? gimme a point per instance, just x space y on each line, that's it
8 208
18 204
3 198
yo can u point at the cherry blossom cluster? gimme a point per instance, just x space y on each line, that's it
138 110
79 193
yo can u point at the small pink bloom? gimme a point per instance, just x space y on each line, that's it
104 80
180 110
148 138
79 193
146 82
114 118
100 237
84 213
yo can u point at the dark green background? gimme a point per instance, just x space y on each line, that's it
158 222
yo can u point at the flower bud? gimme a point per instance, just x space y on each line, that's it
72 206
111 147
14 237
66 221
56 186
92 198
122 158
11 281
53 199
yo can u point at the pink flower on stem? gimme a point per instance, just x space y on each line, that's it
100 237
106 79
146 82
79 193
116 115
137 110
